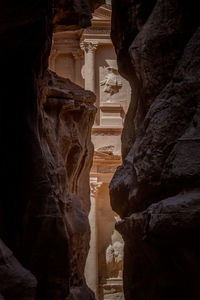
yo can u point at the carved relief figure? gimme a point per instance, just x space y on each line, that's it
112 82
114 258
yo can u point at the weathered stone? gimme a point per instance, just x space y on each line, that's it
68 154
74 14
81 293
162 252
15 281
114 256
160 147
46 152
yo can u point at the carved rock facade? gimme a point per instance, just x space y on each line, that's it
156 190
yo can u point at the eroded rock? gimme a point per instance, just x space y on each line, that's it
16 282
46 152
162 252
74 14
161 149
62 242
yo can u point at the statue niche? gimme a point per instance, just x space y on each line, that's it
112 82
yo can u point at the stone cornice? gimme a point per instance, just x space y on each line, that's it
97 30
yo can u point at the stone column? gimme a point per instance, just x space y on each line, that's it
78 55
91 268
89 49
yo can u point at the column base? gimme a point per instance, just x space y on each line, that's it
112 289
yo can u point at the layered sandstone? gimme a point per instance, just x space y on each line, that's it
46 154
156 190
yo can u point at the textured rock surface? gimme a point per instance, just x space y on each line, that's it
68 117
46 151
73 14
162 251
16 282
161 148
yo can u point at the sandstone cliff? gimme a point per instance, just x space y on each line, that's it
46 154
156 190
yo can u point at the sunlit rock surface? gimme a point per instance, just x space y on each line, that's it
155 190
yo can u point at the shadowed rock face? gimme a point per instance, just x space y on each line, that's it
73 14
155 191
16 282
46 154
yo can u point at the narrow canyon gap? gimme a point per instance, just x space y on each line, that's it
88 58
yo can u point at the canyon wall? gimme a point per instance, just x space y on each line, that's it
46 155
156 191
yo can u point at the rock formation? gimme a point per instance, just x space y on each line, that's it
156 190
46 154
15 281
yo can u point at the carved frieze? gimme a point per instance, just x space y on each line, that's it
98 30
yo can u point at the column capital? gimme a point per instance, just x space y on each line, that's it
89 46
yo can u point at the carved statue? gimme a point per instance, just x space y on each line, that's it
112 81
114 257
